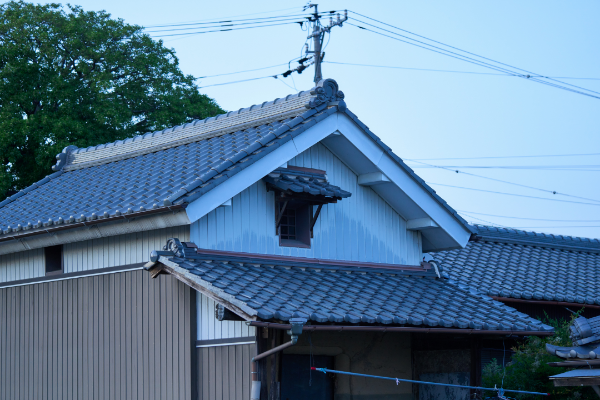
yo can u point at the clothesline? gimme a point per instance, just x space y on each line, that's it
397 380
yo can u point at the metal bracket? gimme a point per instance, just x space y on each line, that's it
313 219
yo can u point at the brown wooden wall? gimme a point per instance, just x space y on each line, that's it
224 372
115 336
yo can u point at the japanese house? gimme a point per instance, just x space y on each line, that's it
160 266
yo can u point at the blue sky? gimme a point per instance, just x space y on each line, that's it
425 115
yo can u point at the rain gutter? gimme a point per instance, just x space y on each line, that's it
340 328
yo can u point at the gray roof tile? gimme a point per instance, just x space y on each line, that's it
174 166
297 181
351 294
527 265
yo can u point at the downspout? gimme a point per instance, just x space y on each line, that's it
296 330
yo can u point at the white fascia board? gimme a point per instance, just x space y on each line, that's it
413 189
419 224
96 231
227 203
373 178
247 177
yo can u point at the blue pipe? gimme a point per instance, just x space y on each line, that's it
500 391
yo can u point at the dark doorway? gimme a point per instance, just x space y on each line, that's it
298 382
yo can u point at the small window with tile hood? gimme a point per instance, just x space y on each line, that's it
300 194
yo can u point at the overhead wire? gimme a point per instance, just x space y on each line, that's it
240 81
282 81
467 52
240 72
513 194
506 182
215 20
531 219
576 168
227 23
452 54
436 70
489 157
224 30
220 18
465 214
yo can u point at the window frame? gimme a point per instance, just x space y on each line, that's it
53 260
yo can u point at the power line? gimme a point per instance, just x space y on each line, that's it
240 81
563 226
577 168
415 69
472 61
226 24
467 52
503 181
513 194
481 158
531 219
222 18
223 30
440 70
282 81
240 72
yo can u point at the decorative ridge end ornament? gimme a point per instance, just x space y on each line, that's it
63 157
175 246
585 331
327 92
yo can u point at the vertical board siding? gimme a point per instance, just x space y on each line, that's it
118 250
209 327
98 337
23 265
362 227
224 372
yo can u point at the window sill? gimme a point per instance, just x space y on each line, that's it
293 243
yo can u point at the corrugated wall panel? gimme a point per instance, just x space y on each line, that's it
22 265
92 254
114 336
210 328
118 250
224 372
360 228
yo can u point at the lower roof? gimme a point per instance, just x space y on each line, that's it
277 289
526 265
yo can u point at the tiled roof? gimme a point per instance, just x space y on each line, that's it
152 172
532 266
277 289
314 183
154 180
509 235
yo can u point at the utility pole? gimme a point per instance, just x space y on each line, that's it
318 34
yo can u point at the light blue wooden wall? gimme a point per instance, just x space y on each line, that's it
360 228
209 327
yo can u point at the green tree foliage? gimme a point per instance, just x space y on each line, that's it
69 76
529 370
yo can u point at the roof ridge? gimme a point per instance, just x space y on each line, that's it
73 157
325 99
531 234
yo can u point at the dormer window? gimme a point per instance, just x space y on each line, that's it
300 193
